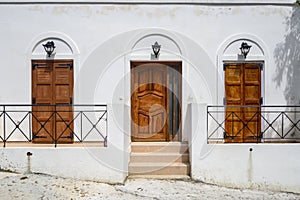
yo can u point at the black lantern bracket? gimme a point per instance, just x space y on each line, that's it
156 49
245 48
49 48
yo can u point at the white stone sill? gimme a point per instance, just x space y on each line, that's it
72 145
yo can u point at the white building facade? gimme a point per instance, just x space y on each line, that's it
103 52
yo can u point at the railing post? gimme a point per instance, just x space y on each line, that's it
282 124
4 127
206 125
232 121
106 129
55 134
81 126
29 125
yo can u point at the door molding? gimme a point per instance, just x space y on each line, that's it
172 78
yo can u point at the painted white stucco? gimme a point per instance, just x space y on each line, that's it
260 166
102 37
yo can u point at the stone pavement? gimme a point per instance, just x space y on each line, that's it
39 186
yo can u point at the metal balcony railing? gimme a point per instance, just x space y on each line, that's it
253 124
53 124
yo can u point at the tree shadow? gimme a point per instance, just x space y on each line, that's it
287 59
287 74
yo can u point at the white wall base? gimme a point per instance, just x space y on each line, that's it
266 167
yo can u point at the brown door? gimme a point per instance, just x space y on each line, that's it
52 83
243 90
155 101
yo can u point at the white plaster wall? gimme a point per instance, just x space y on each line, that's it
101 32
86 163
266 167
99 36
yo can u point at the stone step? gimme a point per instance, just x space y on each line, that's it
174 147
164 177
159 169
154 157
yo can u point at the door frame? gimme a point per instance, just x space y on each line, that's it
169 137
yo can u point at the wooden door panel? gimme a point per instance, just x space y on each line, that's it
43 94
243 88
42 131
233 74
52 83
143 123
150 96
62 75
62 94
233 92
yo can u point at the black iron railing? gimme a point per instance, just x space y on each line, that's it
53 124
253 123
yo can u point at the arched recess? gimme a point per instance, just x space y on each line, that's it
65 46
229 51
142 41
52 82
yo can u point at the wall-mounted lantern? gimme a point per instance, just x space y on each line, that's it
245 48
49 47
156 49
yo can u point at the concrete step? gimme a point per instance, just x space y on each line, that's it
159 169
154 157
174 147
164 177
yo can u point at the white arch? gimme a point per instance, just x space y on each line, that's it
221 58
156 32
242 37
53 35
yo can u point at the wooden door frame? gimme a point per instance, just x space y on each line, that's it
169 137
261 63
43 61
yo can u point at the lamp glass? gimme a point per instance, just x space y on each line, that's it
156 49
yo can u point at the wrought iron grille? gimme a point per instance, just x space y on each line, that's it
85 123
273 123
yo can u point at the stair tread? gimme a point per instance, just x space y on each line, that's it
159 144
158 154
160 176
147 164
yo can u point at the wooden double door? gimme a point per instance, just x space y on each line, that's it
243 100
52 99
155 101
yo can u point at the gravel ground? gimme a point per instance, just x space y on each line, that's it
39 186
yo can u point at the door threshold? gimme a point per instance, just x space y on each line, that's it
169 177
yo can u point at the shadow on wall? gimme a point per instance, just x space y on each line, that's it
287 59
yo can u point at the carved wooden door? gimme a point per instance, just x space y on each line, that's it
155 107
243 90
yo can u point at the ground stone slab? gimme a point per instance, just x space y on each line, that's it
39 186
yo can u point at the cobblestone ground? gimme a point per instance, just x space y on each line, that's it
37 186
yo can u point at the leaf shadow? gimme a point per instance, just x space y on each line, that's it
287 59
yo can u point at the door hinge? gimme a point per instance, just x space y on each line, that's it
37 136
224 66
33 100
71 100
224 101
261 100
261 66
71 65
34 66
